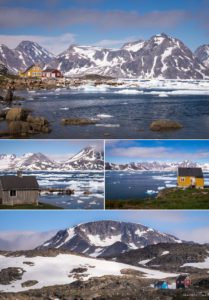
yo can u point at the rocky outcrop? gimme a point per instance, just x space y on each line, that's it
9 275
161 125
21 123
77 122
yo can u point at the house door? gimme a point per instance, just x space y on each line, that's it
193 181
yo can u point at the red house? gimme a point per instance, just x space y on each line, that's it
51 73
183 281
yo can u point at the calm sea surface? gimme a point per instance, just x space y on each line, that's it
124 185
119 114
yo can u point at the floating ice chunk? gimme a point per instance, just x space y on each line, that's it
104 116
163 95
170 185
107 125
129 92
64 108
160 188
151 192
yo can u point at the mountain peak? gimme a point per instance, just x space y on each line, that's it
107 237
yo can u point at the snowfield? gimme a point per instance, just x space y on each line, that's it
199 265
49 271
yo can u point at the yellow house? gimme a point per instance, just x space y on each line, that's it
190 177
32 71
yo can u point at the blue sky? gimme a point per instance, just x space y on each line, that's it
188 225
125 151
58 23
56 149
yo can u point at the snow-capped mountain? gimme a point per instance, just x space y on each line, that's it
155 166
106 238
161 56
81 60
23 56
86 159
202 54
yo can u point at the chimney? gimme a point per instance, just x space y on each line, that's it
19 174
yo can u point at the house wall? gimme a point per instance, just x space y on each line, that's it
187 181
35 71
22 197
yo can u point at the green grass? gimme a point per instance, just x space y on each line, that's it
30 206
167 199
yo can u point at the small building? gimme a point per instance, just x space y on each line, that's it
162 284
190 177
32 72
183 281
51 73
19 190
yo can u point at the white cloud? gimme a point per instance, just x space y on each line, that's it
54 44
23 240
161 153
198 235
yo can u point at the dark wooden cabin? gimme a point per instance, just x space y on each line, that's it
19 190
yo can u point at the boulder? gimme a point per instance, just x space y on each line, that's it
22 128
29 283
37 120
16 114
77 122
19 128
162 124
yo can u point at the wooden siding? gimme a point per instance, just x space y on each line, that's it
34 71
22 197
187 181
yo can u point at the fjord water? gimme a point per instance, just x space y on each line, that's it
119 113
135 185
81 182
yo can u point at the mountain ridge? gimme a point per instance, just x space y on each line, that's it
106 238
155 166
86 159
161 56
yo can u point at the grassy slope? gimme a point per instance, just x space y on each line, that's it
30 206
167 199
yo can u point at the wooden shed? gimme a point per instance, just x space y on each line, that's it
18 190
32 71
51 73
190 177
183 281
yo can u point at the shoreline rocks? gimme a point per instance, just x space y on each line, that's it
77 122
165 124
20 122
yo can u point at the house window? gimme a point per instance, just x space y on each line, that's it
182 179
13 193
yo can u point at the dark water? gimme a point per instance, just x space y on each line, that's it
139 185
131 114
92 182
